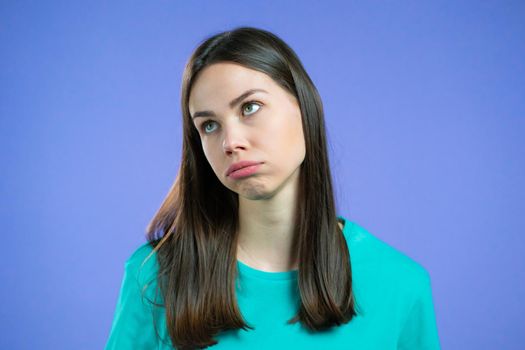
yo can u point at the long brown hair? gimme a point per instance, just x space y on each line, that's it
194 231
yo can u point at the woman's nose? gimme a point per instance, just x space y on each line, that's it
234 138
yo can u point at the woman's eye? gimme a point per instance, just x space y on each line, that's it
247 109
205 124
250 108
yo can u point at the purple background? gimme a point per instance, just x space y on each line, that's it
425 112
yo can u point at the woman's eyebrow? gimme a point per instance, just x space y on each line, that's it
233 103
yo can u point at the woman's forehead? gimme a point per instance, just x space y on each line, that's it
222 82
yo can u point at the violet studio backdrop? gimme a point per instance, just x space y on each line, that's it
424 106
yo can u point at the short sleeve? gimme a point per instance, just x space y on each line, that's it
420 329
133 322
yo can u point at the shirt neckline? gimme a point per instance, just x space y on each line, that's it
245 270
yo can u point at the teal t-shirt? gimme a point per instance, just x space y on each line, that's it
392 291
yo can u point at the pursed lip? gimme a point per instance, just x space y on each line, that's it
240 165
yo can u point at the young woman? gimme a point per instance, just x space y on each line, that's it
246 251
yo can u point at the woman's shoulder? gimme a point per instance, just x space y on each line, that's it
142 263
140 253
371 254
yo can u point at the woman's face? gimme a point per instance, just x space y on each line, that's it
238 124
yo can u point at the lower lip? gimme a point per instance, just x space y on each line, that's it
246 171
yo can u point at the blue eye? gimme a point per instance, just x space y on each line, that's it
203 126
249 111
251 103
